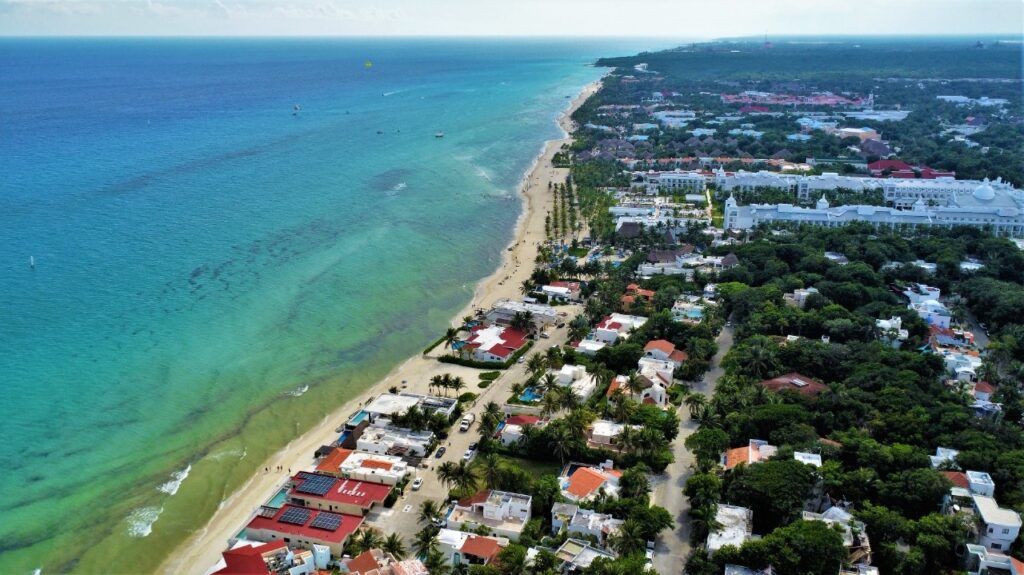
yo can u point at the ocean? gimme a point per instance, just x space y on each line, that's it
231 238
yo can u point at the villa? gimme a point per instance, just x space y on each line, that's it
616 326
656 377
603 434
248 557
394 441
734 527
755 451
504 514
932 312
584 522
920 293
510 432
387 404
635 293
891 331
377 562
688 311
348 464
493 343
303 528
582 482
562 291
576 378
664 350
329 493
577 555
459 547
505 310
855 538
589 347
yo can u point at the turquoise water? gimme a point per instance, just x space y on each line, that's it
530 394
214 272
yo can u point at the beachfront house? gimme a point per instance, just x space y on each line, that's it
247 557
362 466
329 493
502 513
493 343
505 310
303 528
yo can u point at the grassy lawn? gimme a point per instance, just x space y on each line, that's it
534 468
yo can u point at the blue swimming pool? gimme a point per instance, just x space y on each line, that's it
531 394
457 345
357 418
279 499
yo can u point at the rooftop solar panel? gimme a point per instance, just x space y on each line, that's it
295 516
326 521
316 484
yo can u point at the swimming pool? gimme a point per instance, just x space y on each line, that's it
531 394
357 418
279 499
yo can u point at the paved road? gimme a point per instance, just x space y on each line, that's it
673 547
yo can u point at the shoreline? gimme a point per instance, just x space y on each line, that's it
202 549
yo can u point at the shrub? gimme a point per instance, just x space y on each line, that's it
483 384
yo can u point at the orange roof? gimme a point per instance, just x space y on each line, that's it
1018 566
478 497
248 560
628 299
585 481
984 387
362 563
333 460
482 547
613 387
662 345
737 455
375 464
678 355
957 478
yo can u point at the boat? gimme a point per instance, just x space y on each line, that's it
439 135
32 262
296 109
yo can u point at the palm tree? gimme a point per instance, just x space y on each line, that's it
519 321
536 364
429 511
457 383
561 443
451 335
550 403
526 287
394 545
490 466
368 539
549 382
760 358
624 406
554 357
425 542
447 472
491 415
435 383
695 401
703 521
568 399
629 539
634 384
435 562
464 478
578 328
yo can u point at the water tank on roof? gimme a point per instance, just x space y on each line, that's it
984 192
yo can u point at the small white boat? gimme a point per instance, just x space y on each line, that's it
439 135
32 262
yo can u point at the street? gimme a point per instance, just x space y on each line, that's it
672 547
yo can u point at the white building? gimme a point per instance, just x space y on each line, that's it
459 547
577 521
393 441
615 326
503 312
674 181
577 555
362 466
505 514
735 527
943 456
920 293
1000 526
891 331
604 433
799 296
576 378
808 458
590 347
932 312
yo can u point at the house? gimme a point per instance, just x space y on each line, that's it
510 432
386 405
920 293
755 451
635 293
505 310
377 562
385 440
329 493
664 350
582 482
957 350
793 381
808 458
799 296
983 391
576 378
493 343
616 325
862 134
503 513
688 311
932 312
373 468
944 456
303 528
459 547
585 522
589 347
891 331
734 527
855 538
274 558
603 434
562 291
577 555
981 561
656 377
998 526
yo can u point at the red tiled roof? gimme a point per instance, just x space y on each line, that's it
348 526
957 478
333 460
248 560
736 455
522 420
1018 566
984 387
362 563
812 387
615 384
478 497
482 547
377 464
585 481
347 491
679 356
661 345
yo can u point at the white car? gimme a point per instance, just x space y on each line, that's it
417 483
469 454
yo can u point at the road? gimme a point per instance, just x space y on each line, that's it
673 547
402 518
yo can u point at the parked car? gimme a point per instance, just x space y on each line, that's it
440 452
467 422
417 483
469 454
473 446
560 325
544 335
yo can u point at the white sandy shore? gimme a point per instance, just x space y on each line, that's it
200 551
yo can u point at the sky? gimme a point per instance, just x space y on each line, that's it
690 19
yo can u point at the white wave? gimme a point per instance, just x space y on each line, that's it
172 486
298 392
141 520
483 173
392 93
399 187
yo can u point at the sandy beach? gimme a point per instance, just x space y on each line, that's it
201 550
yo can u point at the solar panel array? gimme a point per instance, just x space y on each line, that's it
326 521
315 484
295 516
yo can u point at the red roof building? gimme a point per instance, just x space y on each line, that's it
303 527
335 494
796 382
485 549
957 478
665 350
494 343
251 560
522 420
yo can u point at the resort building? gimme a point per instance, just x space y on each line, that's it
394 441
664 350
675 181
377 562
796 382
735 526
328 493
459 547
577 555
504 514
510 432
387 404
755 451
361 466
505 310
803 187
274 558
585 522
582 482
493 343
616 326
303 528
